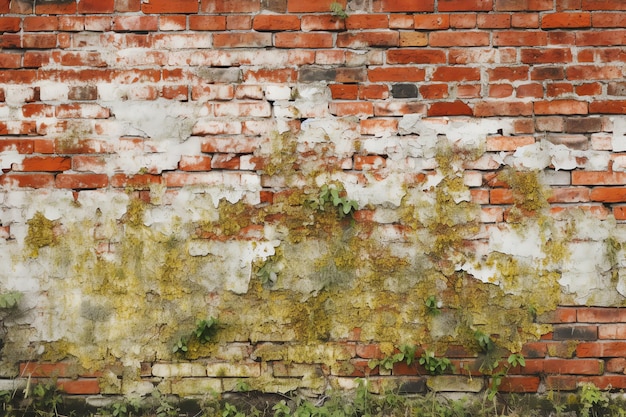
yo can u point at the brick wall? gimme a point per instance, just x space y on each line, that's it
159 159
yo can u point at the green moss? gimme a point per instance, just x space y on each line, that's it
529 193
40 234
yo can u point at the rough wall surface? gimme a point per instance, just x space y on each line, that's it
329 188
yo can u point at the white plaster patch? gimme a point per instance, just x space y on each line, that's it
10 157
158 119
526 243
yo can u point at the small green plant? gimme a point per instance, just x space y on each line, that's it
163 407
406 353
334 195
485 342
231 411
514 359
124 408
592 400
433 364
181 345
338 11
242 386
268 272
206 329
43 398
281 409
432 306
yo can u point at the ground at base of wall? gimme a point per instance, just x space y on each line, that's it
588 401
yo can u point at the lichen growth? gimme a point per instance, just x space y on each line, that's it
40 234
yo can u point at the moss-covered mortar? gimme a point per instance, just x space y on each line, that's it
122 280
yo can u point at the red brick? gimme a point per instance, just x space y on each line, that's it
406 74
507 143
456 74
96 6
534 350
353 108
591 72
416 56
10 60
322 22
463 20
454 108
598 177
242 40
608 107
39 41
79 386
523 5
403 6
305 6
520 38
401 21
559 383
588 89
38 180
40 23
10 24
512 73
501 196
465 5
214 23
368 162
303 40
494 21
431 21
135 23
46 163
223 161
370 351
266 22
55 8
603 5
561 107
373 91
498 108
601 315
619 212
434 91
525 20
81 181
169 6
612 331
359 40
127 5
367 21
616 365
606 382
608 20
566 20
602 38
545 56
519 383
547 73
344 91
51 370
238 22
600 349
231 6
609 194
5 6
374 126
459 38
